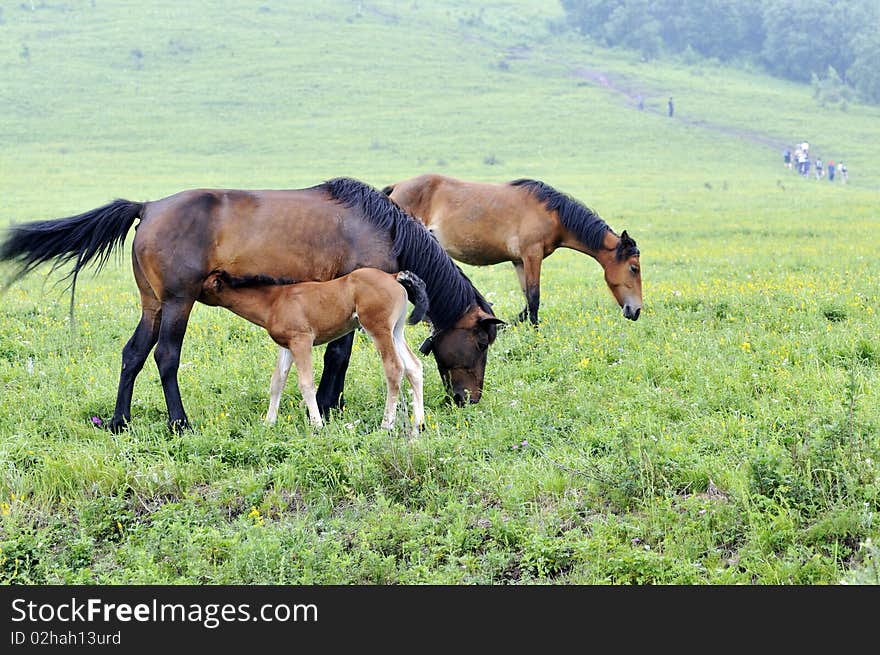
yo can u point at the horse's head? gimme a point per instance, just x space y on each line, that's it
623 274
460 351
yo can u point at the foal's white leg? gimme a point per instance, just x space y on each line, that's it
302 357
413 372
412 369
276 386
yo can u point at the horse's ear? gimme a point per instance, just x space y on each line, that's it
427 346
490 324
626 247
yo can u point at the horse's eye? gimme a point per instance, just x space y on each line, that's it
482 342
633 269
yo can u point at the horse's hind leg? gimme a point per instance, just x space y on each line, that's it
412 370
134 354
393 367
175 315
301 352
276 386
336 358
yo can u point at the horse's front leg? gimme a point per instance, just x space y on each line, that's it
336 358
529 273
175 316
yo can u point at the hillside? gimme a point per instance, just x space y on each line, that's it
142 102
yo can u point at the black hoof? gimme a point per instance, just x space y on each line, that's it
117 425
324 410
179 425
523 315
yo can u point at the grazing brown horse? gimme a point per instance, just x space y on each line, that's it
300 316
317 234
522 222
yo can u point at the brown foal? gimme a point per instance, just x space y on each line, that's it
300 316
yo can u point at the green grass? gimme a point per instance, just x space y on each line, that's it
729 436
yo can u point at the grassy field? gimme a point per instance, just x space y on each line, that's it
729 436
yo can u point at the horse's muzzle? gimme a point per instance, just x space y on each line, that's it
630 313
462 399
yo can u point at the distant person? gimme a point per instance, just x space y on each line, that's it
786 158
802 162
843 173
670 107
818 168
830 170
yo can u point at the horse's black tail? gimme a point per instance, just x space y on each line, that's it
88 238
417 294
388 189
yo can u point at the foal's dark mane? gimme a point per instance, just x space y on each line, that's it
450 292
586 225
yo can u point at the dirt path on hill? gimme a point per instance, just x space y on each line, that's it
632 95
620 86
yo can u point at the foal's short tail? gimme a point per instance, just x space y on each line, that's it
87 238
388 189
417 294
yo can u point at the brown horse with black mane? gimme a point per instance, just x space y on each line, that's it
318 234
522 222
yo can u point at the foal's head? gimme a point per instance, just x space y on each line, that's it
623 274
460 352
217 286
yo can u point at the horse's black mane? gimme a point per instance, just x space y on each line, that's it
450 292
586 225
